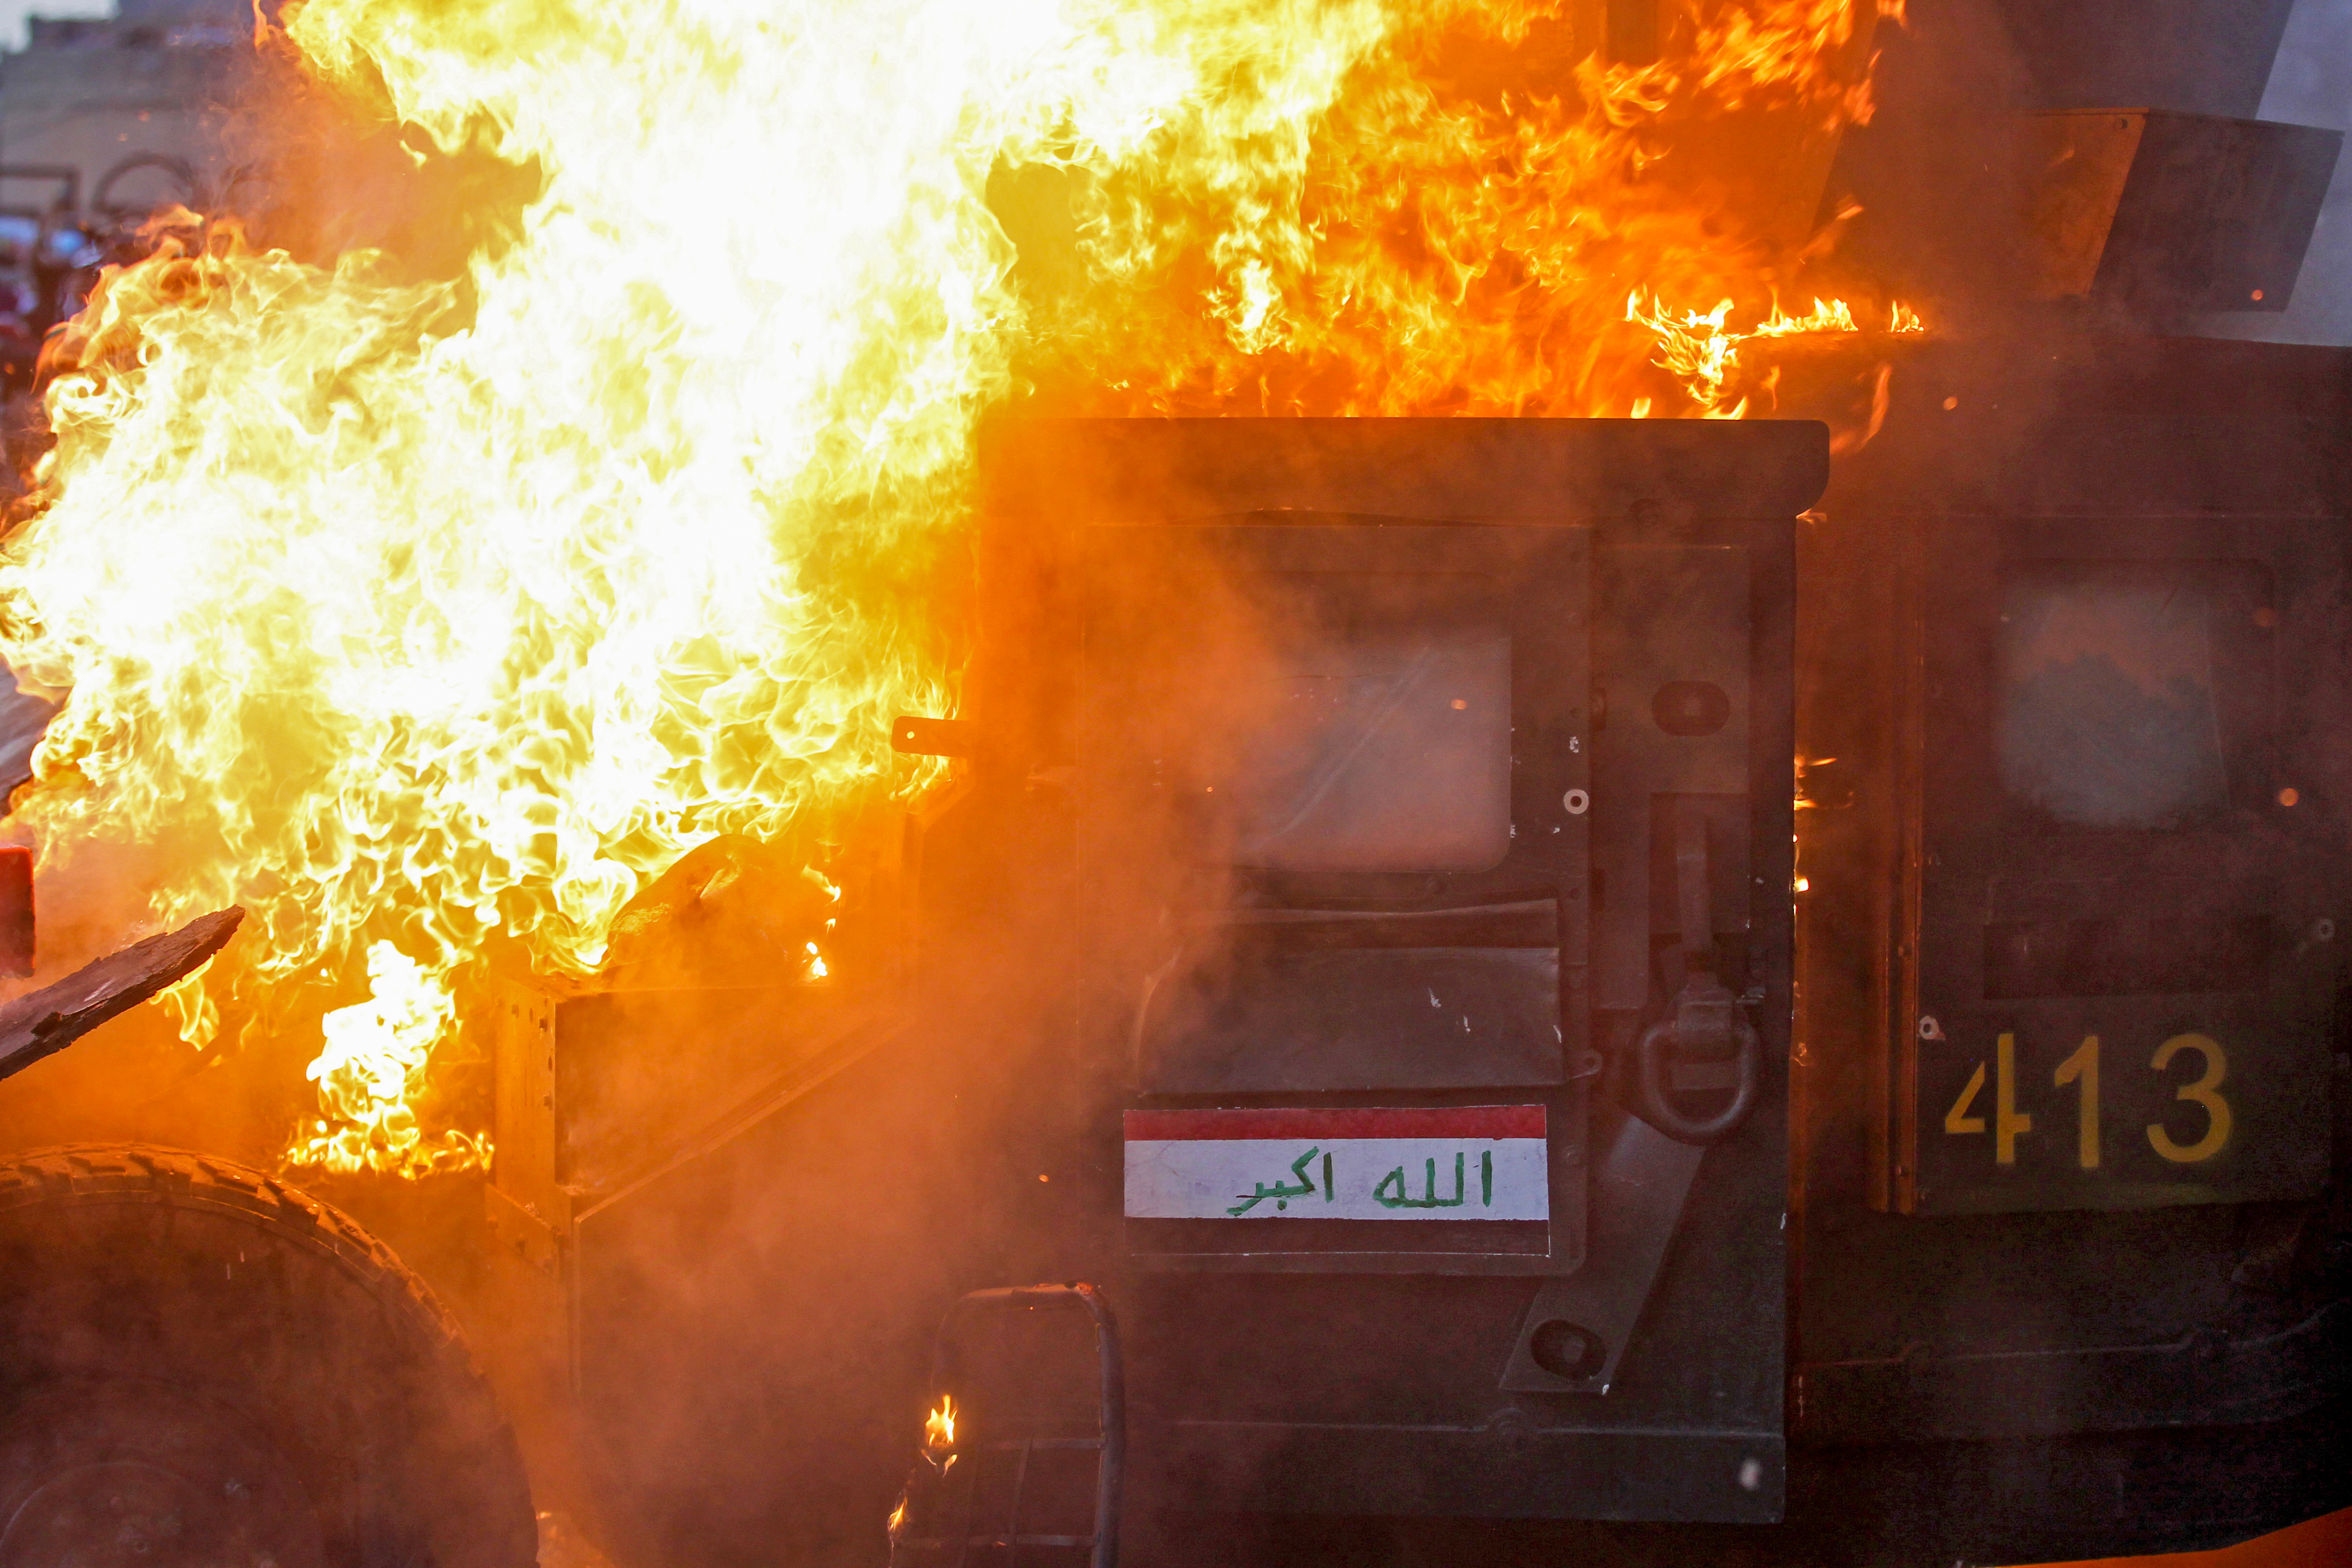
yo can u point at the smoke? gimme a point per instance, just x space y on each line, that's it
2310 84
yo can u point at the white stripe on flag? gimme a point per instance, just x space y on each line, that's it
1340 1178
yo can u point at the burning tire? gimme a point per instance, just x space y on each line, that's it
199 1364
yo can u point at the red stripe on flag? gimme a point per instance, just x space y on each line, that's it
1277 1123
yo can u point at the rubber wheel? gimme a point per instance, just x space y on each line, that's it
200 1365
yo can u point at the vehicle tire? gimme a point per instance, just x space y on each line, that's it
201 1365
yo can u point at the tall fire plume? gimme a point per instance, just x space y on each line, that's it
432 618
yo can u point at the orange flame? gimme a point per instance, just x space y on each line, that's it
939 1429
432 619
1702 352
1450 220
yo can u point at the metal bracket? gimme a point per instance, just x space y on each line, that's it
1637 1194
1709 1043
533 1240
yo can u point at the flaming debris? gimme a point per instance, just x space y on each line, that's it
431 620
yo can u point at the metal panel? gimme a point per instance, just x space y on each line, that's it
1384 1390
1509 1468
1336 982
2207 56
527 1206
1526 470
2168 213
1674 617
2125 941
2045 1358
1395 1018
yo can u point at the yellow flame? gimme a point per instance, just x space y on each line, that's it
938 1427
374 1058
1702 350
1438 225
431 618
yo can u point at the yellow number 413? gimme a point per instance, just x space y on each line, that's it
2083 1069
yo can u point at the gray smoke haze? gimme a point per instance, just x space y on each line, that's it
2310 84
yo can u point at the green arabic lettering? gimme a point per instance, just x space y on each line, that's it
1429 1200
1282 1191
1433 1201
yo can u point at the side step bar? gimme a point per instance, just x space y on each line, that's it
1025 1407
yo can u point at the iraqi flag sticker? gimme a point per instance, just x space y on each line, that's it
1462 1162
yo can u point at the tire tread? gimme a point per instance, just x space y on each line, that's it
134 1175
140 1173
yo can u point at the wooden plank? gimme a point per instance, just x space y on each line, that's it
47 1021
